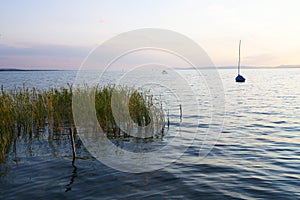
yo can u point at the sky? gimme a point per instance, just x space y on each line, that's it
60 34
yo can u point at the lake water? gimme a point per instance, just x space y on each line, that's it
255 156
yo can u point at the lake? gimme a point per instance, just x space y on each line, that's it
255 155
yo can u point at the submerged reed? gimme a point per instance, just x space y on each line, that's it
28 111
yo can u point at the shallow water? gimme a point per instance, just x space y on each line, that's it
257 155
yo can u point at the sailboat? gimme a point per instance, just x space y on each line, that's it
239 77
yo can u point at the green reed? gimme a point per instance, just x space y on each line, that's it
28 111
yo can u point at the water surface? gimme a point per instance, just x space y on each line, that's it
257 155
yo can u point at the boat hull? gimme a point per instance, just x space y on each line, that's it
240 78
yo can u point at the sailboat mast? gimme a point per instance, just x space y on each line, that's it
239 77
239 58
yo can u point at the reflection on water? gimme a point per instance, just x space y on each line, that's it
257 155
73 176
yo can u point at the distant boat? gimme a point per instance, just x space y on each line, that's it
239 77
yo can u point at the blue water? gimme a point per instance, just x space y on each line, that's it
256 156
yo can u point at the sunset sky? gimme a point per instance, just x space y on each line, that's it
59 34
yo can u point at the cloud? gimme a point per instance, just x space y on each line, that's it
42 56
102 21
264 59
43 50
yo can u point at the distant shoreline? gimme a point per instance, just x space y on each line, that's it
29 70
218 67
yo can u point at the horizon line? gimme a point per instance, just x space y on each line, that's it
183 68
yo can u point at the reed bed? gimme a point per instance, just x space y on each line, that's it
31 111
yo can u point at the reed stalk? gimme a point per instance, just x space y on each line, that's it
25 111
